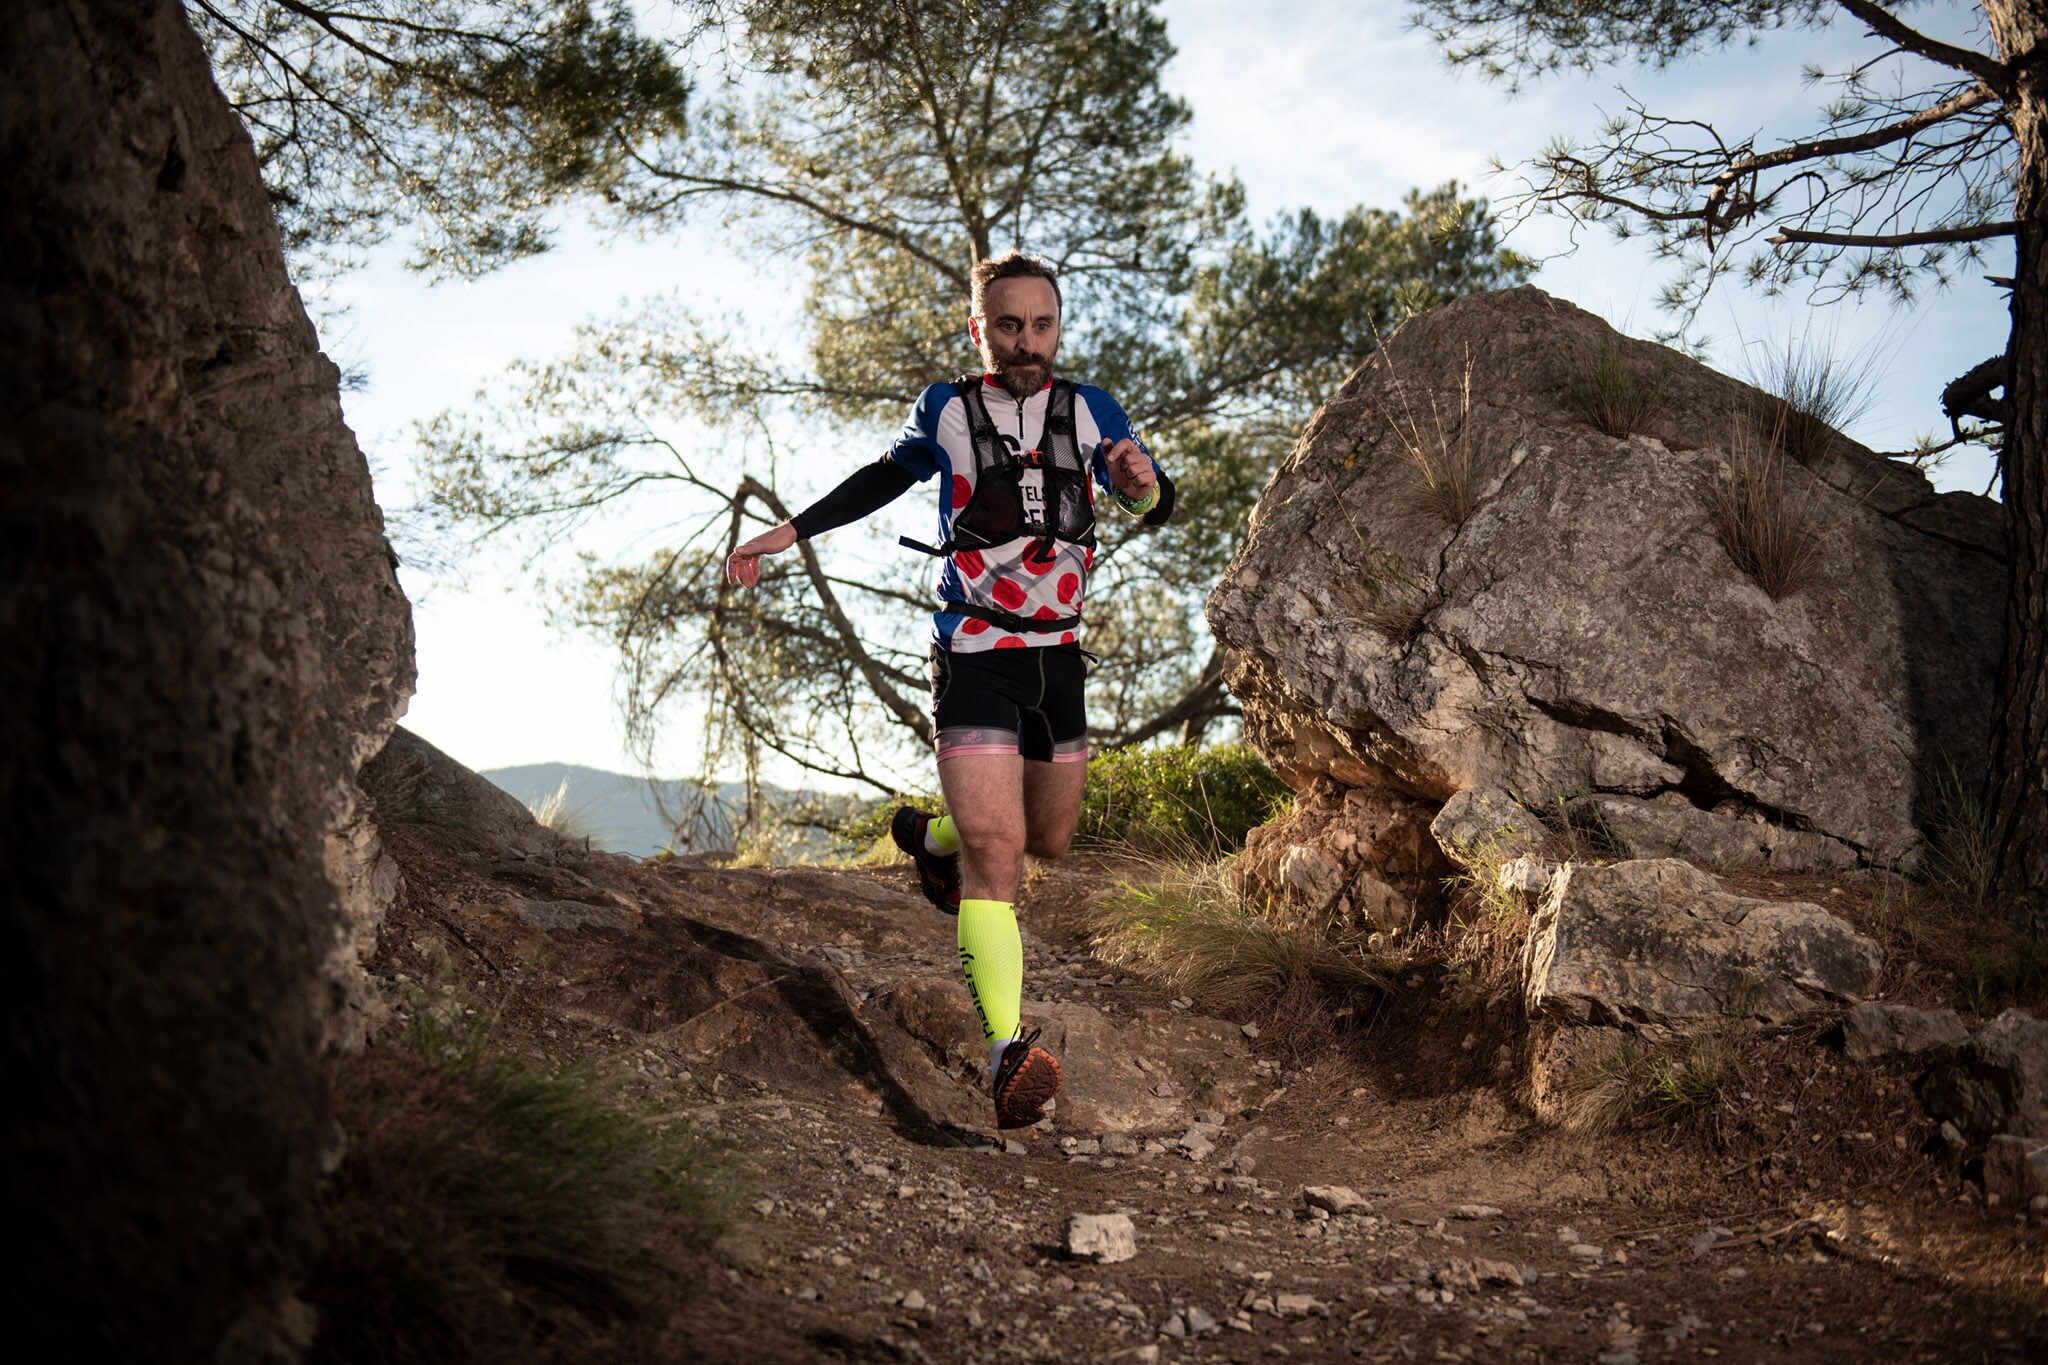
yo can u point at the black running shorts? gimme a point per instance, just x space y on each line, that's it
1011 701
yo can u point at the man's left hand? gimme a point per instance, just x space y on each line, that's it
1130 469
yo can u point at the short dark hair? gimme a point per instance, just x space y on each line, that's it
1012 265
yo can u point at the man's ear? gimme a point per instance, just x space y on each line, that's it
974 329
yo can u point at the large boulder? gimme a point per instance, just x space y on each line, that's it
205 640
1574 628
1658 945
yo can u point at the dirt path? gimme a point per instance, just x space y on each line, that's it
813 1021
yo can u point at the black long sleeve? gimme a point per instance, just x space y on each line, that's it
1158 515
868 489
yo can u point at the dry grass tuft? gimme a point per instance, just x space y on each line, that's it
1638 1085
1185 923
553 812
1616 394
1442 474
1775 532
491 1209
1817 392
1962 855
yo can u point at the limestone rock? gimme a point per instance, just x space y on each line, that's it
1659 943
1582 628
1487 826
1102 1237
1995 1083
1874 1032
412 782
1361 856
1670 826
1336 1199
2016 1168
205 640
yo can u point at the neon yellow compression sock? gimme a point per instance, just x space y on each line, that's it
992 956
940 836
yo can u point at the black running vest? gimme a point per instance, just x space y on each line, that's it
998 510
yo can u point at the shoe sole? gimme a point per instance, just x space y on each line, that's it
1036 1080
908 834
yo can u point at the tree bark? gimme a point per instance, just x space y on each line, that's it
2018 780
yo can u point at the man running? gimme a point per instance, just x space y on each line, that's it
1019 455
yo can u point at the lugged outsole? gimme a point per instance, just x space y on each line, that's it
1022 1100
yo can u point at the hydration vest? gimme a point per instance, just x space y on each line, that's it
999 509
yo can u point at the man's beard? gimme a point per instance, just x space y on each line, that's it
1020 378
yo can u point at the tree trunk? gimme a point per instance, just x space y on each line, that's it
2018 785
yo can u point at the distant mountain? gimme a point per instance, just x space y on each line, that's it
620 812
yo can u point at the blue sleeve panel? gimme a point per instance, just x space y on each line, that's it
917 449
1114 426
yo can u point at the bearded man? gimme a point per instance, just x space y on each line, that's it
1019 455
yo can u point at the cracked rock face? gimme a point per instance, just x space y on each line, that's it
1579 630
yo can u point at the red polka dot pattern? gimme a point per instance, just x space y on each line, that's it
1009 642
962 491
971 563
1070 584
1038 565
1066 637
1045 614
1008 593
973 625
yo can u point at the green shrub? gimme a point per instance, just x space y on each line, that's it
1205 799
1198 801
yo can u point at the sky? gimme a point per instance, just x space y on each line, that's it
1324 104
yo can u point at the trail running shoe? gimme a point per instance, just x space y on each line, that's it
1027 1078
938 874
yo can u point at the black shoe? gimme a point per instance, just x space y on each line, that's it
1027 1078
938 874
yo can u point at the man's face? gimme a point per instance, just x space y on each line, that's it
1018 333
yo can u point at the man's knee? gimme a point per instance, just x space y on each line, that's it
993 853
1050 845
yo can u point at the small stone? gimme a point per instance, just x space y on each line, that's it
1173 1327
1119 1144
1585 1251
764 1207
1618 1358
1299 1306
1198 1322
1012 1147
1164 1090
1498 1272
808 1293
1475 1211
1209 1118
1102 1237
1142 1355
1338 1199
1249 1030
913 1301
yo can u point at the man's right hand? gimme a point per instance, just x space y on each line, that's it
744 565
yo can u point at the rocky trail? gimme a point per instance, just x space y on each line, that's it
1370 1197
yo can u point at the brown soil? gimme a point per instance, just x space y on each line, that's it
812 1020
